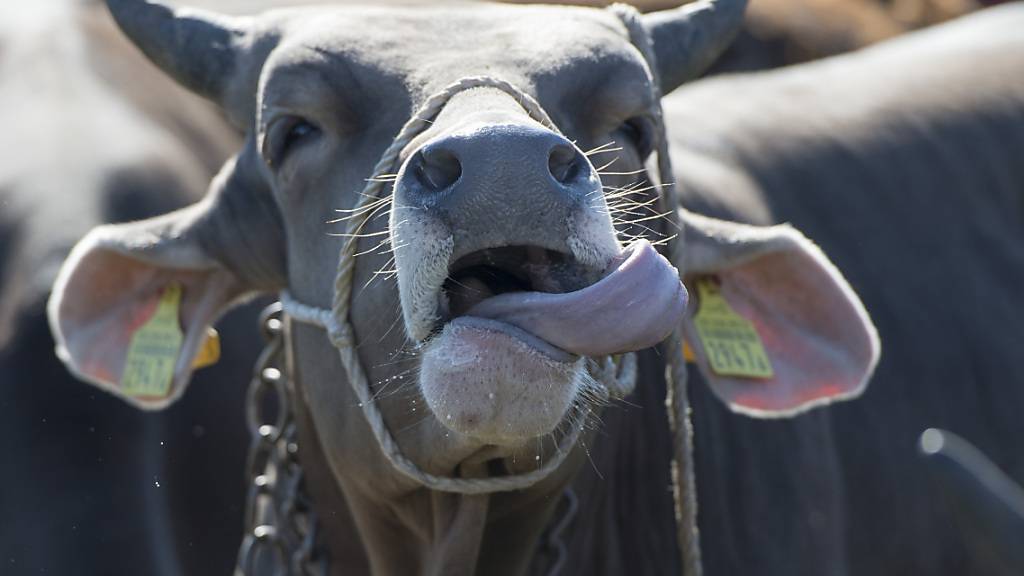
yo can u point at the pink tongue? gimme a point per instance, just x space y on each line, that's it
635 306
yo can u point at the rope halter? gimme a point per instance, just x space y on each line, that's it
617 379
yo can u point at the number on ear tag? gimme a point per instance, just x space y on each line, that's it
149 366
731 343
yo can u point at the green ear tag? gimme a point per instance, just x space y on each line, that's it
730 341
149 367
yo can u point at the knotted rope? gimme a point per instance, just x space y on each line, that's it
617 381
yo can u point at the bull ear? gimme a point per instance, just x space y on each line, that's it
199 49
818 343
133 303
688 39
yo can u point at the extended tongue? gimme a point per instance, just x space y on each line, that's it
633 307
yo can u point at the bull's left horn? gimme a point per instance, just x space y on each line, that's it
198 49
688 39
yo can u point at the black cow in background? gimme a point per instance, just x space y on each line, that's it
92 133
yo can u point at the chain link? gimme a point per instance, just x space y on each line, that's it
553 540
280 524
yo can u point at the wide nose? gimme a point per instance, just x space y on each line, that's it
499 179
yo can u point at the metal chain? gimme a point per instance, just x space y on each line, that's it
280 524
553 539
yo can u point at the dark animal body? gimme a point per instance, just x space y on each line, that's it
821 493
903 162
94 134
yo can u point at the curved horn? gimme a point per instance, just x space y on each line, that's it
985 498
196 48
689 38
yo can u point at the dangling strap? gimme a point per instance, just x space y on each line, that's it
684 482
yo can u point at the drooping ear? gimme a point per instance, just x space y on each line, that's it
688 39
776 329
133 303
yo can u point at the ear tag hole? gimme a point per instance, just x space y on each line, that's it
731 342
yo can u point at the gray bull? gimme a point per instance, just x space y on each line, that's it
495 215
93 134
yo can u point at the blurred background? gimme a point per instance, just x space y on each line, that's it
93 134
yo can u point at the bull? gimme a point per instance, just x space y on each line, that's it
93 134
454 350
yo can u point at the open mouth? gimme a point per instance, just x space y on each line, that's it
522 270
511 326
559 307
486 273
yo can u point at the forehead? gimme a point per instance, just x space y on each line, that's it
428 47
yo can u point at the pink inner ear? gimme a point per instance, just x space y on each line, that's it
108 296
815 331
104 357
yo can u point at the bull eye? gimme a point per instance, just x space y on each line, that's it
286 134
639 131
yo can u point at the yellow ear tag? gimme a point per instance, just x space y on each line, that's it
688 354
730 341
149 366
209 353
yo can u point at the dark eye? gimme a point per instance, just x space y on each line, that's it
285 135
640 132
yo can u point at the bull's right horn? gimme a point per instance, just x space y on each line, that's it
198 49
688 39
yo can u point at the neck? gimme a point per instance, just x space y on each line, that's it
622 526
427 532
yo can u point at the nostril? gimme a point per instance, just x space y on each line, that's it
563 163
438 168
